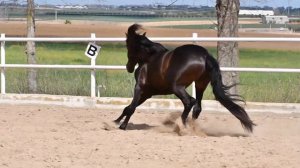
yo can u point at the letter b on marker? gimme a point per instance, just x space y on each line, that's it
92 50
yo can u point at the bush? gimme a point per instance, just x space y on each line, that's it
68 22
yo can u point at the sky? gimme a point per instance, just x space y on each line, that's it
271 3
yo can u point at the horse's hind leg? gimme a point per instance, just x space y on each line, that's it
200 87
197 108
187 100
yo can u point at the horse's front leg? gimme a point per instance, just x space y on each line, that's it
125 111
128 111
138 98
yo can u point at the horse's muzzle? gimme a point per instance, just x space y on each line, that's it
130 68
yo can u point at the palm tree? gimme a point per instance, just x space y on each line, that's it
30 47
228 52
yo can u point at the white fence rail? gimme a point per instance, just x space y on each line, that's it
94 67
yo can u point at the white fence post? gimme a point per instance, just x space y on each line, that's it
195 36
3 64
93 72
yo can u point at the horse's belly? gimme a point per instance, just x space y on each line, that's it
159 87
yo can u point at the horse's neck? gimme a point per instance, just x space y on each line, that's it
156 56
160 48
152 52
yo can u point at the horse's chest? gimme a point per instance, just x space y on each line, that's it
142 76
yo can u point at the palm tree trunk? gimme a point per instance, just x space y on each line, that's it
228 52
30 47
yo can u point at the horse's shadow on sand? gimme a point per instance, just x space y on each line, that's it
172 124
132 126
108 126
206 132
222 134
192 131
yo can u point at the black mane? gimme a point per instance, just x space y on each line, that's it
136 41
132 30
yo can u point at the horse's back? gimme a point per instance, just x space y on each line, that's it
190 50
182 65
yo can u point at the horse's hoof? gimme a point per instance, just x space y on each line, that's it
116 121
195 116
123 126
184 122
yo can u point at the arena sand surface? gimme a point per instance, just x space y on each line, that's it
54 136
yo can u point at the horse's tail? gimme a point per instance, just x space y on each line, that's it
221 94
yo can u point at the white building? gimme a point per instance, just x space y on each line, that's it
257 12
71 7
275 19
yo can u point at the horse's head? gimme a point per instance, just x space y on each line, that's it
138 46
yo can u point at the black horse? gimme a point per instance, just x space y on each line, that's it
162 72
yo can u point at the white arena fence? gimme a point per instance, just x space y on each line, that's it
93 67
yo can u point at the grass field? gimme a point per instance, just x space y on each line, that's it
262 87
95 17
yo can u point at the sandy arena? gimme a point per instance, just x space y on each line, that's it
61 137
54 136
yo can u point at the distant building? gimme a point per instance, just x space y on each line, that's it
257 12
71 7
275 19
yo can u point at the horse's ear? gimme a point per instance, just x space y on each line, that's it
144 34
